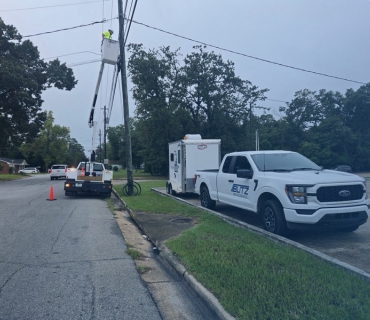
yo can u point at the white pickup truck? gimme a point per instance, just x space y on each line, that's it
288 190
88 177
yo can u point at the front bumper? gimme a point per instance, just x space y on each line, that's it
327 218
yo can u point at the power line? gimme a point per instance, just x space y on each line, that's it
277 100
59 5
129 26
80 26
248 56
70 54
82 63
206 44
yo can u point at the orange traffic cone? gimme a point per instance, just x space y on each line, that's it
82 172
51 194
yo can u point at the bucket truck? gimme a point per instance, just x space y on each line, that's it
91 176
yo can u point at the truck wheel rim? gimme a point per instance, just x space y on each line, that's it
204 200
269 219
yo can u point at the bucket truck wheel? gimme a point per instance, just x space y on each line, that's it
205 199
273 217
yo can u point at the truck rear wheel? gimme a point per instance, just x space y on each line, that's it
205 199
273 217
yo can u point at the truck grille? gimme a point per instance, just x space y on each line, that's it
332 194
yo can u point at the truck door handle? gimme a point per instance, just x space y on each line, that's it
231 180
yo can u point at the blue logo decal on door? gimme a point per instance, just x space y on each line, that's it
240 190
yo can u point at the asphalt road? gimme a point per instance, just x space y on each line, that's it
64 259
352 247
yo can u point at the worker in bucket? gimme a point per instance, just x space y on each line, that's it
107 34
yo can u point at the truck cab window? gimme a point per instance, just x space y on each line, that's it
241 163
226 166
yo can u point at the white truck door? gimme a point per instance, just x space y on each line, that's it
224 181
240 192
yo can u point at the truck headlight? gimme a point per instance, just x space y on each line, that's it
296 194
364 183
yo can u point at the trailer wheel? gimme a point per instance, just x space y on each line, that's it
170 190
205 199
273 217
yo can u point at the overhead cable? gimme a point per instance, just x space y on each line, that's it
248 56
129 26
82 63
209 45
59 5
80 26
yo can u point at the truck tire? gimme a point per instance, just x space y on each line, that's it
205 199
273 217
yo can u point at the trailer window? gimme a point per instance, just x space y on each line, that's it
178 156
172 157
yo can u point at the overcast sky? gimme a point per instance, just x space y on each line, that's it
330 37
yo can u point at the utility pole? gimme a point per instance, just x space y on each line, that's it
250 115
100 145
105 133
125 98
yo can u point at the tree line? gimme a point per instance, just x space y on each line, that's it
201 93
26 131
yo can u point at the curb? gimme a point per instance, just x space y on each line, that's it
273 237
164 253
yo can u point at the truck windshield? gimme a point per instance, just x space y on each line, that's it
281 162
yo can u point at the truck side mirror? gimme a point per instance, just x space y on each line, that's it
244 173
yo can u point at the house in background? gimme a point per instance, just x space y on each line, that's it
17 164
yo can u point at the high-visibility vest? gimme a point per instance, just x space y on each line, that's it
107 35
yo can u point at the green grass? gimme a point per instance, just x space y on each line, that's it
133 253
137 174
253 277
9 177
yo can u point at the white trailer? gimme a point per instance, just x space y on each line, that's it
188 155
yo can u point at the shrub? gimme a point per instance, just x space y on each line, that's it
115 168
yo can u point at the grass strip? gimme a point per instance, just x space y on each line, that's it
253 277
9 177
137 174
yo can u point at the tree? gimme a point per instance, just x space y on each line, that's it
23 77
202 96
155 75
54 145
75 153
212 93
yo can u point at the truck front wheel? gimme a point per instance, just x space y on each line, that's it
205 199
273 217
